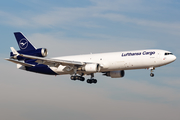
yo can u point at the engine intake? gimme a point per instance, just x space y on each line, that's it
44 52
115 74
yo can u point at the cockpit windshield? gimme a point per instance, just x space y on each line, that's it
168 54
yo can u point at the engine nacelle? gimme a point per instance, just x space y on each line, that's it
41 52
91 68
115 74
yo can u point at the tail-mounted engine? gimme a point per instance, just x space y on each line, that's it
43 52
115 74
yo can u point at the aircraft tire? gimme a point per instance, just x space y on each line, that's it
82 79
90 81
73 77
94 81
152 74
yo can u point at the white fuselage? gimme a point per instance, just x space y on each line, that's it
126 60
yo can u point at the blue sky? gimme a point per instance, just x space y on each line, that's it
72 27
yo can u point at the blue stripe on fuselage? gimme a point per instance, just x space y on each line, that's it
41 68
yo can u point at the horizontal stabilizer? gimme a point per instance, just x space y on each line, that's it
14 51
21 63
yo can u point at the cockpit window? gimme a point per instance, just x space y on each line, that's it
168 54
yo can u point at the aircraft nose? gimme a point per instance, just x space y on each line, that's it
174 57
171 58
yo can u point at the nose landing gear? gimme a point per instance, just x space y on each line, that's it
152 74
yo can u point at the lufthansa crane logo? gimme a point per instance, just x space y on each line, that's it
23 43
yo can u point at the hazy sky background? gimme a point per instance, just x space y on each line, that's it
69 27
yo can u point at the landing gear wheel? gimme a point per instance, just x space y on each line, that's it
90 81
81 78
73 77
77 77
94 81
152 74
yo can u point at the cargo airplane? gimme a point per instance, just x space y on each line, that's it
113 64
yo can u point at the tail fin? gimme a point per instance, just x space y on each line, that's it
23 43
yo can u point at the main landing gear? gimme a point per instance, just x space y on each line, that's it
77 78
90 81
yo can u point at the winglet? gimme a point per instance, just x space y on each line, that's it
14 51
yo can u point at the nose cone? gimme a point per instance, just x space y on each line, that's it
173 58
170 59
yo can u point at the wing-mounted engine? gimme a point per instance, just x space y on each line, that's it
91 68
41 52
115 74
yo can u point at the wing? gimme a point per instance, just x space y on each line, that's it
54 62
21 63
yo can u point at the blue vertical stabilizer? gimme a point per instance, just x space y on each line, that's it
23 43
